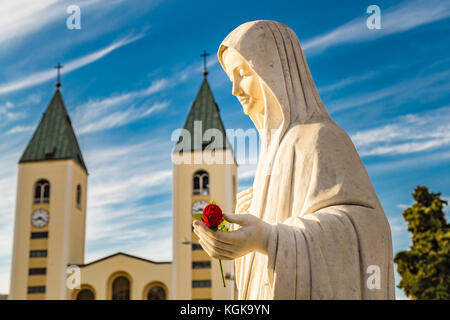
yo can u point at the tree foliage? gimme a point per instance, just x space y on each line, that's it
425 267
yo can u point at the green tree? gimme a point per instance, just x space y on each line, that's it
425 267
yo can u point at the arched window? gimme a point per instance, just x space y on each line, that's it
121 288
201 183
78 197
42 192
205 182
196 184
85 294
156 293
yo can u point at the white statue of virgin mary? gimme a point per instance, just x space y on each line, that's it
311 227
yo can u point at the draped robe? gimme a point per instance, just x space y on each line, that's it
331 238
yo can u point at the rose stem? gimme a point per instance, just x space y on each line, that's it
221 270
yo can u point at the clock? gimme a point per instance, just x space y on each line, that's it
39 218
198 206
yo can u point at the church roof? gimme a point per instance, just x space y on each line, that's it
54 138
205 109
126 255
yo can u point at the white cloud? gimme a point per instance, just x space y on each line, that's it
8 113
95 109
150 244
346 82
109 112
406 134
156 86
416 88
21 129
120 189
398 225
119 118
416 162
247 171
23 18
43 76
13 112
405 16
403 206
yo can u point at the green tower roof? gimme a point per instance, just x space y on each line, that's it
205 109
54 138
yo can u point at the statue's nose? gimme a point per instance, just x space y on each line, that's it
237 91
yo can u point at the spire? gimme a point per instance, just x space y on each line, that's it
204 55
58 82
54 138
205 109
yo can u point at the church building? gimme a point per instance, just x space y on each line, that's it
50 220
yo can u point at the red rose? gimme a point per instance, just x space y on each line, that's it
212 215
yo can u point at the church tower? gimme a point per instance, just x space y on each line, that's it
200 175
49 230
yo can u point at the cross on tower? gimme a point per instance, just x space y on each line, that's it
204 55
59 67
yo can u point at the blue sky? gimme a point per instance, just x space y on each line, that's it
133 69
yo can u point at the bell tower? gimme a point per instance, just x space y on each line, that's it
49 229
204 168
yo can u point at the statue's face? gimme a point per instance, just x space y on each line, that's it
246 85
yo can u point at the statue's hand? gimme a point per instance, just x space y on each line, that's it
244 199
251 236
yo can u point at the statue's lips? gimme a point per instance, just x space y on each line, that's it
244 100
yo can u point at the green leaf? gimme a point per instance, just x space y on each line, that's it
198 216
222 224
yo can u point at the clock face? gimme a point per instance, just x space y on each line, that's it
39 218
198 206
